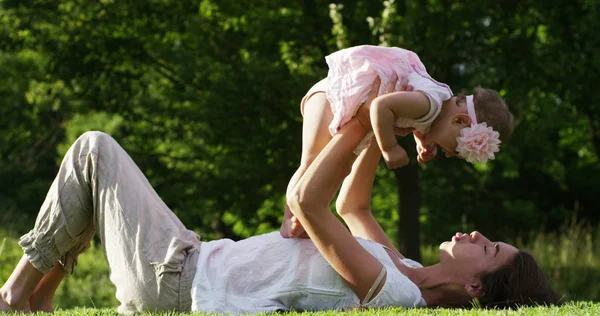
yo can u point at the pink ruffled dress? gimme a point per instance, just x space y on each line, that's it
351 75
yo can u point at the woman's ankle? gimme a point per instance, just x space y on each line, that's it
43 305
40 299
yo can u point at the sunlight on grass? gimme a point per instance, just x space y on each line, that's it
580 308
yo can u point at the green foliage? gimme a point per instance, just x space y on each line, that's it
569 257
89 285
547 172
204 95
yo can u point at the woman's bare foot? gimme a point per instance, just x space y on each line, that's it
3 306
6 304
40 304
15 293
40 299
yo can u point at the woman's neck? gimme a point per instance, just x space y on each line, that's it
430 276
446 296
438 286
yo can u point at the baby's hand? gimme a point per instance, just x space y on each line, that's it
425 151
395 157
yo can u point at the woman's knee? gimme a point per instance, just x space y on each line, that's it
95 142
96 137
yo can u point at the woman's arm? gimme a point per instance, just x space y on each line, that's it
353 203
309 202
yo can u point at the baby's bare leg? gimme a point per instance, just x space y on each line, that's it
41 298
315 136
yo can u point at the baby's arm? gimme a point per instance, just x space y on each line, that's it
385 110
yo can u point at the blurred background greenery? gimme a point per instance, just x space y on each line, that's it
205 97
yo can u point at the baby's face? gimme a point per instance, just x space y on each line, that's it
446 129
447 141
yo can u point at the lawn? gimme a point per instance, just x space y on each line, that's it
571 308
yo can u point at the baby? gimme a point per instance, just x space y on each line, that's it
470 127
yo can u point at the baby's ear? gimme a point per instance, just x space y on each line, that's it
462 119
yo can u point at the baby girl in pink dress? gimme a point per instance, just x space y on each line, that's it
470 127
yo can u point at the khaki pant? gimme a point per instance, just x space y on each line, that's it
99 189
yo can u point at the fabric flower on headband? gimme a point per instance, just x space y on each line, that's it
479 142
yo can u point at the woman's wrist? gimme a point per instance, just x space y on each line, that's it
364 126
363 121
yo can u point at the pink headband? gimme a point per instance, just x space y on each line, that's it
479 142
471 109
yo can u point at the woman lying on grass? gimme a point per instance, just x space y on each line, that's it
158 265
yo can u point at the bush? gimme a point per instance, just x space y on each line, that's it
571 258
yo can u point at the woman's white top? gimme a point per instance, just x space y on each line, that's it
270 273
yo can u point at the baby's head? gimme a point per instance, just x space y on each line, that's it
491 109
472 127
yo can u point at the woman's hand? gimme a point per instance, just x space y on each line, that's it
403 131
364 113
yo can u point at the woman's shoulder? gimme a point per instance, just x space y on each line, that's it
398 290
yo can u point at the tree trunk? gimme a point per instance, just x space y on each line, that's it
220 229
409 195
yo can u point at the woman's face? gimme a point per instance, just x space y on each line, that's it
473 254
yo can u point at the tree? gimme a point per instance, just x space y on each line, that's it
205 95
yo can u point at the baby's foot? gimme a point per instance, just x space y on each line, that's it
297 231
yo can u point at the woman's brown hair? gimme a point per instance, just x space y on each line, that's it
519 283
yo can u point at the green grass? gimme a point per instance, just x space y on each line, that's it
572 308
